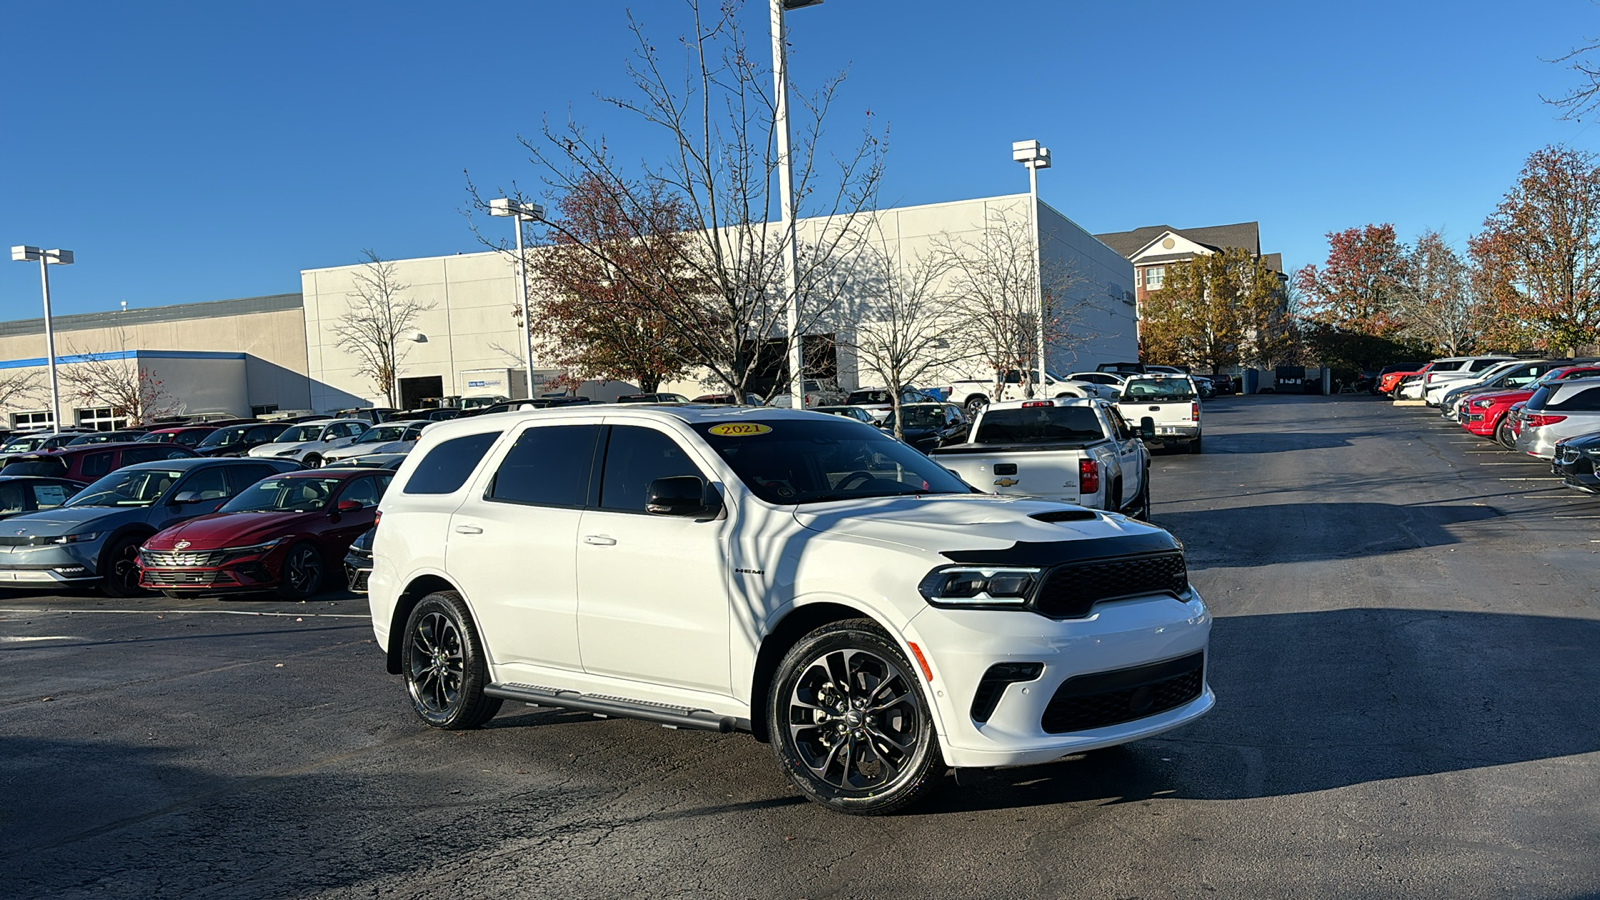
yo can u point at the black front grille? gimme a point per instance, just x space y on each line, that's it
1111 698
182 558
162 578
1071 590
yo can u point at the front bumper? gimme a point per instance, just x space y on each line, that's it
357 569
1118 636
256 572
1577 470
50 565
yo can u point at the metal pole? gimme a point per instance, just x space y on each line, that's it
1038 271
527 324
50 344
791 260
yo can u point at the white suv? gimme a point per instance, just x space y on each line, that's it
799 576
1453 370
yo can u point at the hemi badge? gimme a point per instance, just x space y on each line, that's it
1007 482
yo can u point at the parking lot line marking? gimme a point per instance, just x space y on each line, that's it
1515 462
185 612
1541 478
1575 517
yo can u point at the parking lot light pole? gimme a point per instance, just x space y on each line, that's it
47 258
1035 157
521 212
791 261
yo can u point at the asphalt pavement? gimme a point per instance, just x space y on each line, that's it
1404 657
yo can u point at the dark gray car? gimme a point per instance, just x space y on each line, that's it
94 538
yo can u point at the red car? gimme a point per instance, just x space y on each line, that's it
1390 383
283 533
187 435
1486 414
90 461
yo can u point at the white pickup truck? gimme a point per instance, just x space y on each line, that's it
974 394
1074 450
1170 402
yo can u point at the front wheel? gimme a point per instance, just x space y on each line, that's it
313 461
444 665
975 404
301 576
119 569
1502 433
849 722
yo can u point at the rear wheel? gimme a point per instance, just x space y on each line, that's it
443 662
1502 432
301 576
1194 445
975 404
850 723
313 461
119 568
1141 509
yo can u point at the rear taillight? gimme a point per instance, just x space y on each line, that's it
1194 410
1539 420
1088 476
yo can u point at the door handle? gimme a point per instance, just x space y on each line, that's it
600 540
468 529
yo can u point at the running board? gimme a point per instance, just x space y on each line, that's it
660 713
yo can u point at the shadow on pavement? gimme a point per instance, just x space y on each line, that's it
1247 536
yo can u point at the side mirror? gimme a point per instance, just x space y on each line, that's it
184 498
1147 428
682 495
330 437
349 506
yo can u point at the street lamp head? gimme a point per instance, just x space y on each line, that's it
789 5
32 254
1031 154
505 206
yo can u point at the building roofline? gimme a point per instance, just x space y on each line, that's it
210 309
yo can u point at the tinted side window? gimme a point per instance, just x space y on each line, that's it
11 498
241 477
1583 401
448 466
635 457
263 433
207 484
96 464
548 466
365 491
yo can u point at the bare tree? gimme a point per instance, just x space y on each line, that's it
1436 302
20 388
381 313
907 328
1583 99
714 108
129 389
991 283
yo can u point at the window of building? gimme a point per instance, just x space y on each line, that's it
1155 276
1138 277
29 421
101 418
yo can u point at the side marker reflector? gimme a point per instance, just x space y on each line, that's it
921 661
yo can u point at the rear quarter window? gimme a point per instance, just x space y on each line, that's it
448 466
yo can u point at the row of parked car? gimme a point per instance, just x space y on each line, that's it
1546 408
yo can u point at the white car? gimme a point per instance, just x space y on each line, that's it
975 394
388 437
805 578
309 442
1447 373
1110 382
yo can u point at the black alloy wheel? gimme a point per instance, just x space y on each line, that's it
301 575
119 569
444 664
1502 433
850 723
312 461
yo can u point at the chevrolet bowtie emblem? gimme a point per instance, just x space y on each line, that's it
181 545
1007 482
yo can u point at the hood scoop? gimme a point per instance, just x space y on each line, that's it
1065 515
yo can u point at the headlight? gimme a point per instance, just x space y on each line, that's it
980 585
76 538
1483 404
252 550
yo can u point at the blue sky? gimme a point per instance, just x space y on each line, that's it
201 151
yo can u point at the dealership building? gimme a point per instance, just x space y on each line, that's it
278 353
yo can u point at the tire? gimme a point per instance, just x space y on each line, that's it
312 461
975 404
443 663
302 572
119 573
1502 432
1194 445
812 715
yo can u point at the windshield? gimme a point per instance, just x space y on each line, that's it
918 417
284 495
222 437
1160 390
299 433
1039 425
787 461
23 444
128 487
381 434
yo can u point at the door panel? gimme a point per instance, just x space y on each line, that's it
653 600
513 549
